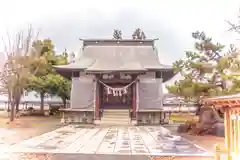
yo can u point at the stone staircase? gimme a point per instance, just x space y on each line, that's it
115 117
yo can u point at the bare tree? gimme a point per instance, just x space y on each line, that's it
21 56
233 26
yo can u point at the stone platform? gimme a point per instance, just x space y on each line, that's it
142 140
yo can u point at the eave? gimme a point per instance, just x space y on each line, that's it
224 101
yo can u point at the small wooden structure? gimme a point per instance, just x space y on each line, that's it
230 105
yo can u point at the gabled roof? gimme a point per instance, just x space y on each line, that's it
117 55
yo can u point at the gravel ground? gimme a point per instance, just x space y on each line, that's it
207 142
93 157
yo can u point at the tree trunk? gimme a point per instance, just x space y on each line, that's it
209 123
12 111
17 107
9 101
17 100
64 102
42 103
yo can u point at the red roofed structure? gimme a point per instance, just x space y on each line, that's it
231 107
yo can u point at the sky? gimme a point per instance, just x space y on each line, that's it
172 21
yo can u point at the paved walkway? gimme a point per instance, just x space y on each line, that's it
4 133
111 141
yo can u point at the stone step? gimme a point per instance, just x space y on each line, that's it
120 114
116 110
114 119
115 115
113 123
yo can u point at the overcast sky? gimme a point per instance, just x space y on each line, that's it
172 21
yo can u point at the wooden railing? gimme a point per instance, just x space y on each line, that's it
232 139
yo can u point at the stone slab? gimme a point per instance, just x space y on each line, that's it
115 140
5 134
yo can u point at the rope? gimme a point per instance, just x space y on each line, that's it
128 85
93 102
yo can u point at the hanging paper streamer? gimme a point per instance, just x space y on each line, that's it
120 92
109 90
117 91
124 90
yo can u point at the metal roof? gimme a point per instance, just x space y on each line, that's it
81 63
117 57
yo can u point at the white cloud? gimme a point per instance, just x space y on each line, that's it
172 21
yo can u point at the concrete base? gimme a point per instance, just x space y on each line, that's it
134 122
97 122
170 122
77 117
62 121
152 118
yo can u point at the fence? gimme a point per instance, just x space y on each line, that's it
232 139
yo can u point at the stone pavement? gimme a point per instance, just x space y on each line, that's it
140 140
4 134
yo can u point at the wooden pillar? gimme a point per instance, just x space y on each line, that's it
134 101
236 132
217 155
97 102
227 131
232 130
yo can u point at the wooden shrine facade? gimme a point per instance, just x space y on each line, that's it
127 100
121 74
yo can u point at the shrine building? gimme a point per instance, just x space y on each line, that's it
116 81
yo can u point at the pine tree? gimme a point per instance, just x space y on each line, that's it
201 70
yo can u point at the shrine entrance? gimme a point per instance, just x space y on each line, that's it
116 99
